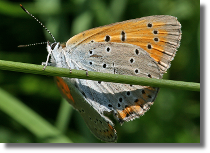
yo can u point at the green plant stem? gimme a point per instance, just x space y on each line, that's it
81 74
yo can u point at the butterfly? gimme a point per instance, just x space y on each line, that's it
142 47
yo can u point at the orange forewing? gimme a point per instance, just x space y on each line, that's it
137 32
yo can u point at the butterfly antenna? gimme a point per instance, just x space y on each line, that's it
39 23
41 43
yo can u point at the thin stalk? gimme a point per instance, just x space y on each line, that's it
81 74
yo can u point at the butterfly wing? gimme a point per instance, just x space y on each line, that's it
99 125
158 35
125 101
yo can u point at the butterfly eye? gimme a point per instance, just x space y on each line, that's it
90 63
53 45
149 75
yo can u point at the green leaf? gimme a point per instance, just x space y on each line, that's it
31 120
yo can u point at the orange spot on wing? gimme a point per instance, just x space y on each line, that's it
110 132
140 102
110 127
150 88
64 88
121 114
135 109
145 96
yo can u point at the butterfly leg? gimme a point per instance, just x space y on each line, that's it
69 67
81 68
48 56
86 72
46 63
68 63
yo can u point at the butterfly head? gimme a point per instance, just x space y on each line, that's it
52 46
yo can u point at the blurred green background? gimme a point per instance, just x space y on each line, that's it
32 103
